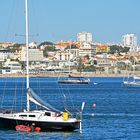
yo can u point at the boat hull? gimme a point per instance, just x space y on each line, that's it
73 82
10 124
63 82
131 84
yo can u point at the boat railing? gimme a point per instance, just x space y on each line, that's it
6 111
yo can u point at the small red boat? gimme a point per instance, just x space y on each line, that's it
23 128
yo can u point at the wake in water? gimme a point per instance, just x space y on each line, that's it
88 115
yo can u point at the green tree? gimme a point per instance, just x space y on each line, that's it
71 47
48 49
80 65
133 60
91 68
118 49
46 43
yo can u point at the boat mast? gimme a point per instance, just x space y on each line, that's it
69 58
27 55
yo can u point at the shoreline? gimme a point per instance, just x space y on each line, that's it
61 75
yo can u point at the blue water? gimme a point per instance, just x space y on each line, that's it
116 116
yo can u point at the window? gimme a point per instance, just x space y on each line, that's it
47 114
31 115
22 115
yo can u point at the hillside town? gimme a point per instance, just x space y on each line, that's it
83 56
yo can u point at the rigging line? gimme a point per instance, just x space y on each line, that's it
59 74
22 93
64 96
11 16
71 98
15 94
20 35
34 14
3 92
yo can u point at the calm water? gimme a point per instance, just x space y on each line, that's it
116 116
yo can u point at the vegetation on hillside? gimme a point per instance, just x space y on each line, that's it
118 49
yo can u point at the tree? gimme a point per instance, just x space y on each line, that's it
15 47
80 65
91 68
118 49
133 60
46 43
48 49
126 49
71 47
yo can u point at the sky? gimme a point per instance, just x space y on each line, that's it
55 20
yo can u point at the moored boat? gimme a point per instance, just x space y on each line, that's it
48 117
74 80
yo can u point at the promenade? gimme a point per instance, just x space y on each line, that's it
55 74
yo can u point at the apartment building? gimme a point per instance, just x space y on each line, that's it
84 37
130 40
34 54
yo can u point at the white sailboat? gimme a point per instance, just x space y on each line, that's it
131 80
49 118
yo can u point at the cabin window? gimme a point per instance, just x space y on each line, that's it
31 115
22 115
47 114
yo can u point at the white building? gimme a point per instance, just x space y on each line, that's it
69 55
130 40
84 37
34 54
5 54
87 49
11 67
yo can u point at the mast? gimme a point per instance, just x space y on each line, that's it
69 58
27 55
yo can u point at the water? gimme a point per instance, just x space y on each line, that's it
116 116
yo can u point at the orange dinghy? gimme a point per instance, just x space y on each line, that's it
37 129
23 128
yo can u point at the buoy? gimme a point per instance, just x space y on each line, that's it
94 105
37 129
92 114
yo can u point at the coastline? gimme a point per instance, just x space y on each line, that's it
53 74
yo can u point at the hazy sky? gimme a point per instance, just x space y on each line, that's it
57 20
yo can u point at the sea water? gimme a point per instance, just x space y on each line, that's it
111 111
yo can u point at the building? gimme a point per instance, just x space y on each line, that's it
130 40
102 49
34 54
11 67
84 37
5 54
33 45
87 49
68 55
6 44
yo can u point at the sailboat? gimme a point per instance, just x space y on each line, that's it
72 79
48 118
131 80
